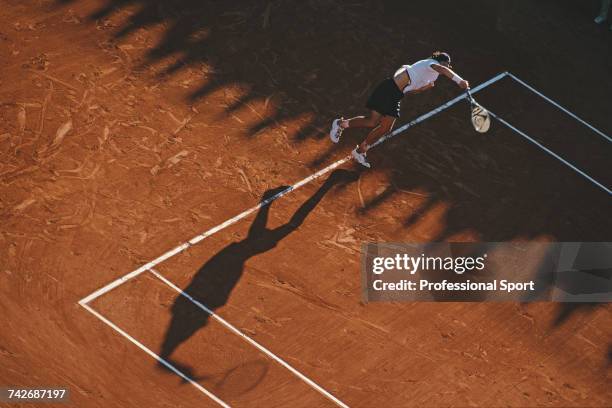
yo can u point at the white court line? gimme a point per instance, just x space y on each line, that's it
555 155
255 344
532 89
208 233
155 356
251 210
84 302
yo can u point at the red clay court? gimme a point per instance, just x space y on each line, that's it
178 231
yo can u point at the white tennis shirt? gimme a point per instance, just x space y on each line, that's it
421 74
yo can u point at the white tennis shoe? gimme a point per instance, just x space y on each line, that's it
360 157
600 19
336 130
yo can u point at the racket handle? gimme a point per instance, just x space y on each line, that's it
469 95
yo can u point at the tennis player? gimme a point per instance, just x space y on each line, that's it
384 103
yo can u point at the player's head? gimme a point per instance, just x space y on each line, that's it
443 58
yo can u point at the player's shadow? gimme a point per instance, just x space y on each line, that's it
213 283
292 55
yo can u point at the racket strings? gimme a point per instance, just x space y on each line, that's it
480 118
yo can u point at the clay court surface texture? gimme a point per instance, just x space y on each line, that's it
130 127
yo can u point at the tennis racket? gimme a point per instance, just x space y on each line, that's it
479 115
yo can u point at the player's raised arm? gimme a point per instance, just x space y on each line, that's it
450 74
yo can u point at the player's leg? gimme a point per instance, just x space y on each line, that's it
338 125
363 122
385 125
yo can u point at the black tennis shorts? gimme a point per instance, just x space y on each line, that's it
386 99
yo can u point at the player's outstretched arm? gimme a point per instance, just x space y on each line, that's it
450 74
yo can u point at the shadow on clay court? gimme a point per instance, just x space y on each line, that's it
304 58
215 280
588 275
300 56
308 68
